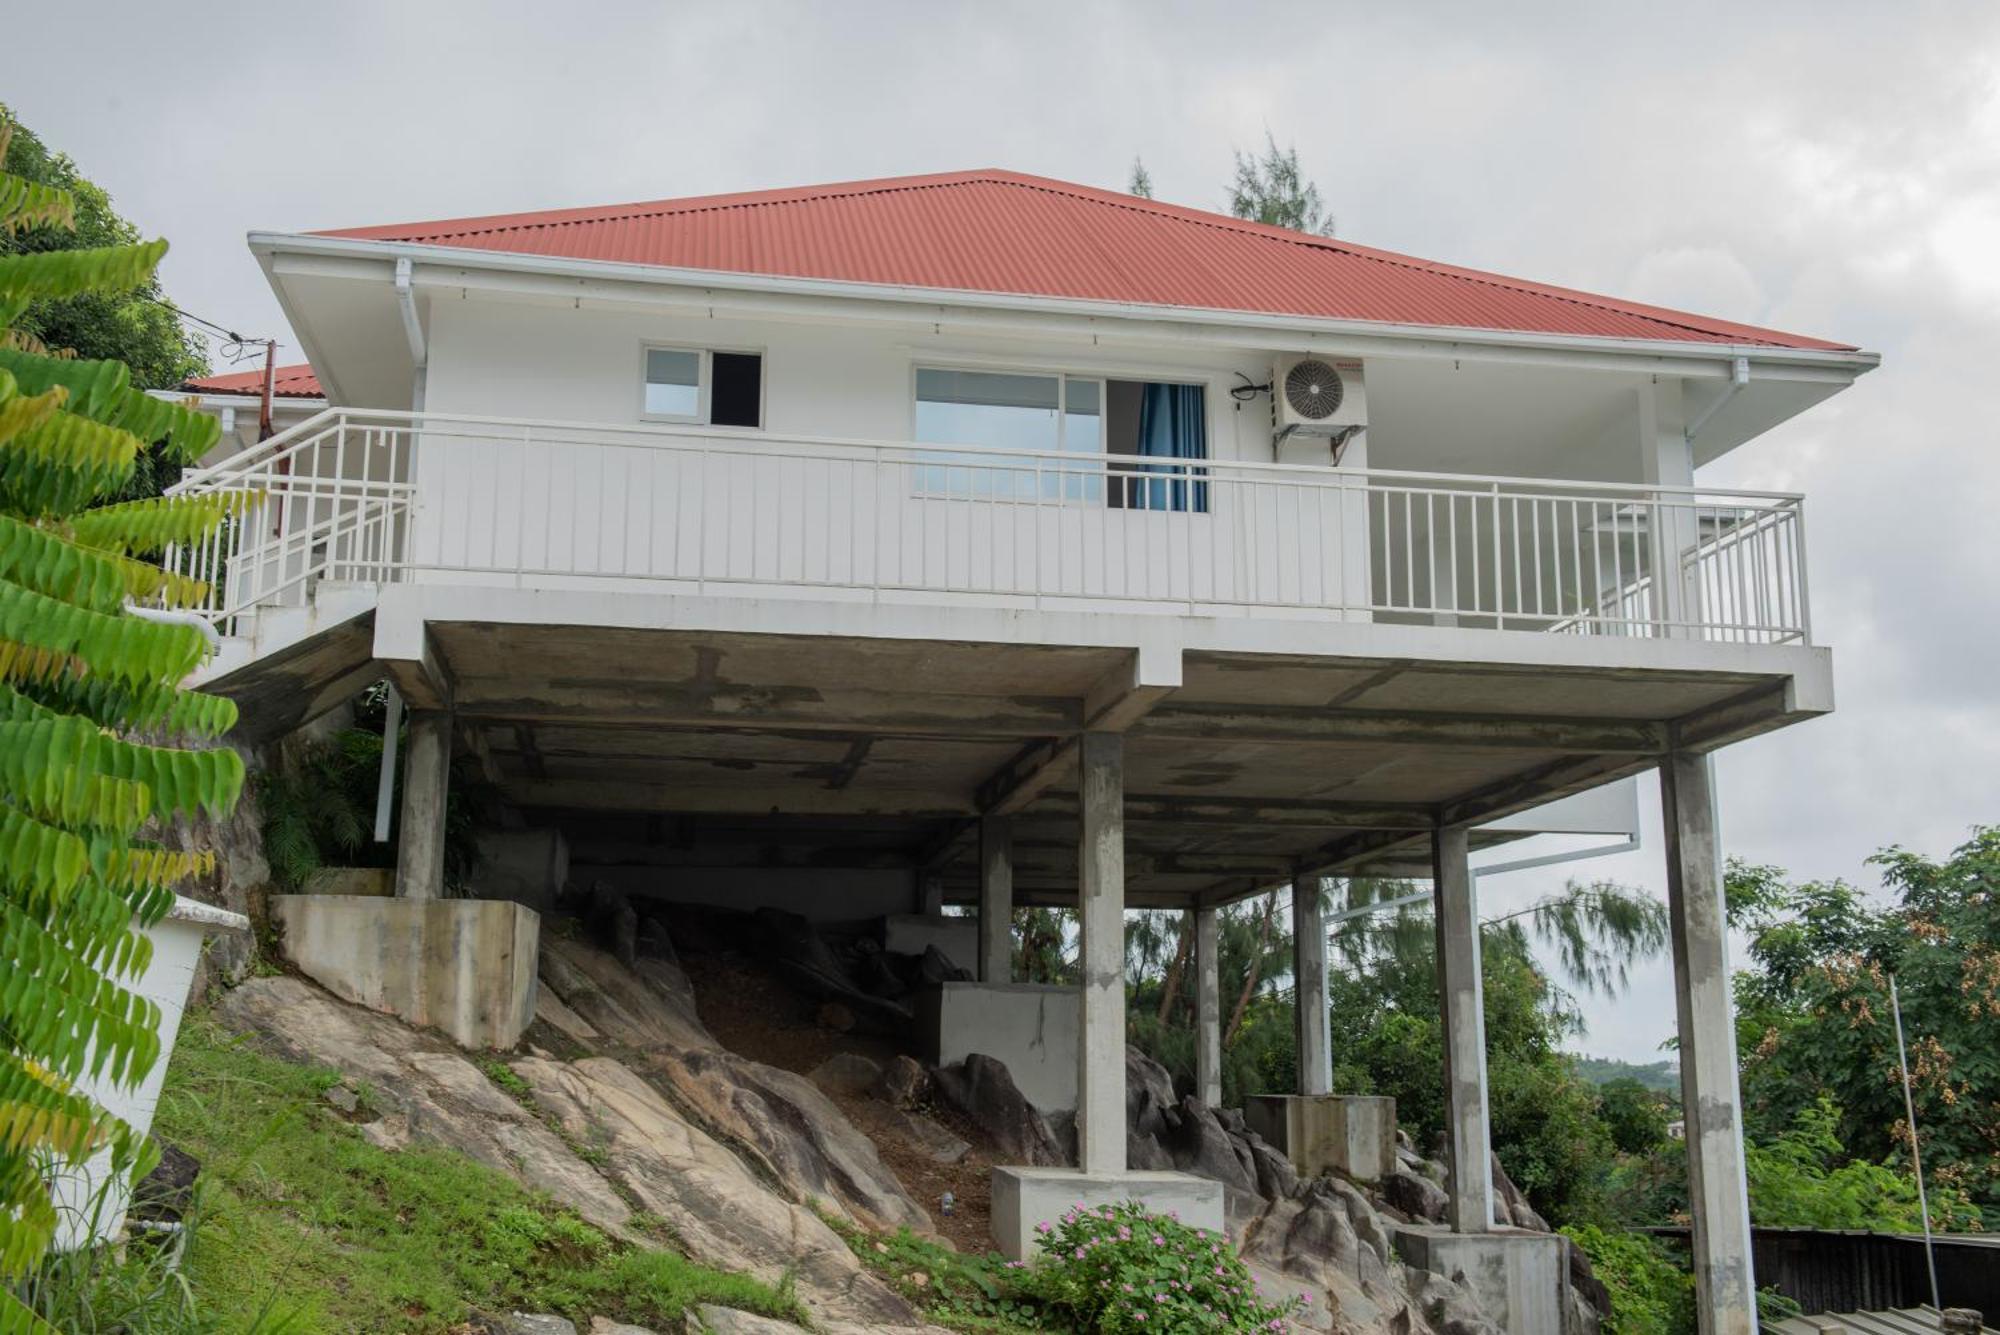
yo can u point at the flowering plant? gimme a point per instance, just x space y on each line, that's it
1116 1268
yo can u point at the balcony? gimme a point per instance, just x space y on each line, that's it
373 498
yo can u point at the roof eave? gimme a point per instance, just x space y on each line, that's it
266 245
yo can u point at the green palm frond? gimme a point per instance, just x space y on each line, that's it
123 647
158 521
25 204
147 708
38 559
63 462
102 391
44 275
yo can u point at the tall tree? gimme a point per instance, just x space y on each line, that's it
80 675
1270 188
136 327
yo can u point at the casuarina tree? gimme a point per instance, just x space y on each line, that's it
99 745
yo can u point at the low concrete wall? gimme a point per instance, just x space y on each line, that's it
526 866
1517 1277
956 938
1031 1027
1352 1134
1025 1197
464 966
377 881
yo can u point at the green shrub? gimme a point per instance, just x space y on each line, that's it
1119 1269
1651 1294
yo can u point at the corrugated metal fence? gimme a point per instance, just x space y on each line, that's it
1846 1272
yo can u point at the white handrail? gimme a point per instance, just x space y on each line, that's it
383 496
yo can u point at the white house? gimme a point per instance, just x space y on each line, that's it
995 539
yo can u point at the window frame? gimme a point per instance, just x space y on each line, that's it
704 383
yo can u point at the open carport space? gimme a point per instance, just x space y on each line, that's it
676 750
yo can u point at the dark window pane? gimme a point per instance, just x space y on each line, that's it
737 394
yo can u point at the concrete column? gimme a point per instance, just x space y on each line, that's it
426 783
1309 975
1100 1086
1207 1011
1464 1008
1718 1199
996 899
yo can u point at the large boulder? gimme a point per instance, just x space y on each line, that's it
982 1089
648 1005
793 1132
720 1211
1510 1206
1201 1145
1419 1198
426 1090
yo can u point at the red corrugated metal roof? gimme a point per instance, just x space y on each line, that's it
1003 232
287 382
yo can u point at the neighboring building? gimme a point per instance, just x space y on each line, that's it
980 537
237 396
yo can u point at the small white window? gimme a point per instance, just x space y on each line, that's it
697 385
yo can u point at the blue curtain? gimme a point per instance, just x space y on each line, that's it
1170 427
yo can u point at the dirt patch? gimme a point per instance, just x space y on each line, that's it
753 1012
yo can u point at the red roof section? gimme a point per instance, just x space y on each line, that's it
288 382
1007 233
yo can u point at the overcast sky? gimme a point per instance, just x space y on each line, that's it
1831 168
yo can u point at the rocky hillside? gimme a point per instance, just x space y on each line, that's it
625 1107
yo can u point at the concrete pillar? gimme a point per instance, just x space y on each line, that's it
1100 1097
996 899
1718 1199
1464 1008
1207 1011
426 783
1315 1050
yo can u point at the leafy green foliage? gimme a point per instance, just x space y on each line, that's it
1661 1077
1118 1269
301 1224
1652 1293
1635 1116
961 1290
318 805
1805 1179
1270 188
77 889
1814 1019
54 208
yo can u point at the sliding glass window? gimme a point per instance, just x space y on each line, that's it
1010 417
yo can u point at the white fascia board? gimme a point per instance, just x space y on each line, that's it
210 401
600 278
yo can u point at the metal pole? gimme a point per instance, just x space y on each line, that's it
385 782
1916 1157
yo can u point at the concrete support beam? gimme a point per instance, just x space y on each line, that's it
996 900
1718 1200
1464 1006
1100 1106
426 785
1315 1051
1280 724
1207 1010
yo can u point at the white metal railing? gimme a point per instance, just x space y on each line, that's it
384 496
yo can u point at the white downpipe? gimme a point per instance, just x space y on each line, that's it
385 782
173 618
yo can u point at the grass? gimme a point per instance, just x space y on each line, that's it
304 1226
957 1290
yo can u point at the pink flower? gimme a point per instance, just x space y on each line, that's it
1159 1241
1042 1227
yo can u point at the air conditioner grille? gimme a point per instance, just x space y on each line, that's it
1313 390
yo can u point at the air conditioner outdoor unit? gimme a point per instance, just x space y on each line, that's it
1317 406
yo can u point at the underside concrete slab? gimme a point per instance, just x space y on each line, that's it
1517 1277
463 966
1350 1134
1025 1197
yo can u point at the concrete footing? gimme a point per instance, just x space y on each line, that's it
1517 1277
1031 1027
463 966
1350 1134
1025 1197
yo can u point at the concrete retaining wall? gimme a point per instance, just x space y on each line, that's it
1032 1027
464 966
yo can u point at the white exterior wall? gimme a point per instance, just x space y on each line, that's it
761 507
